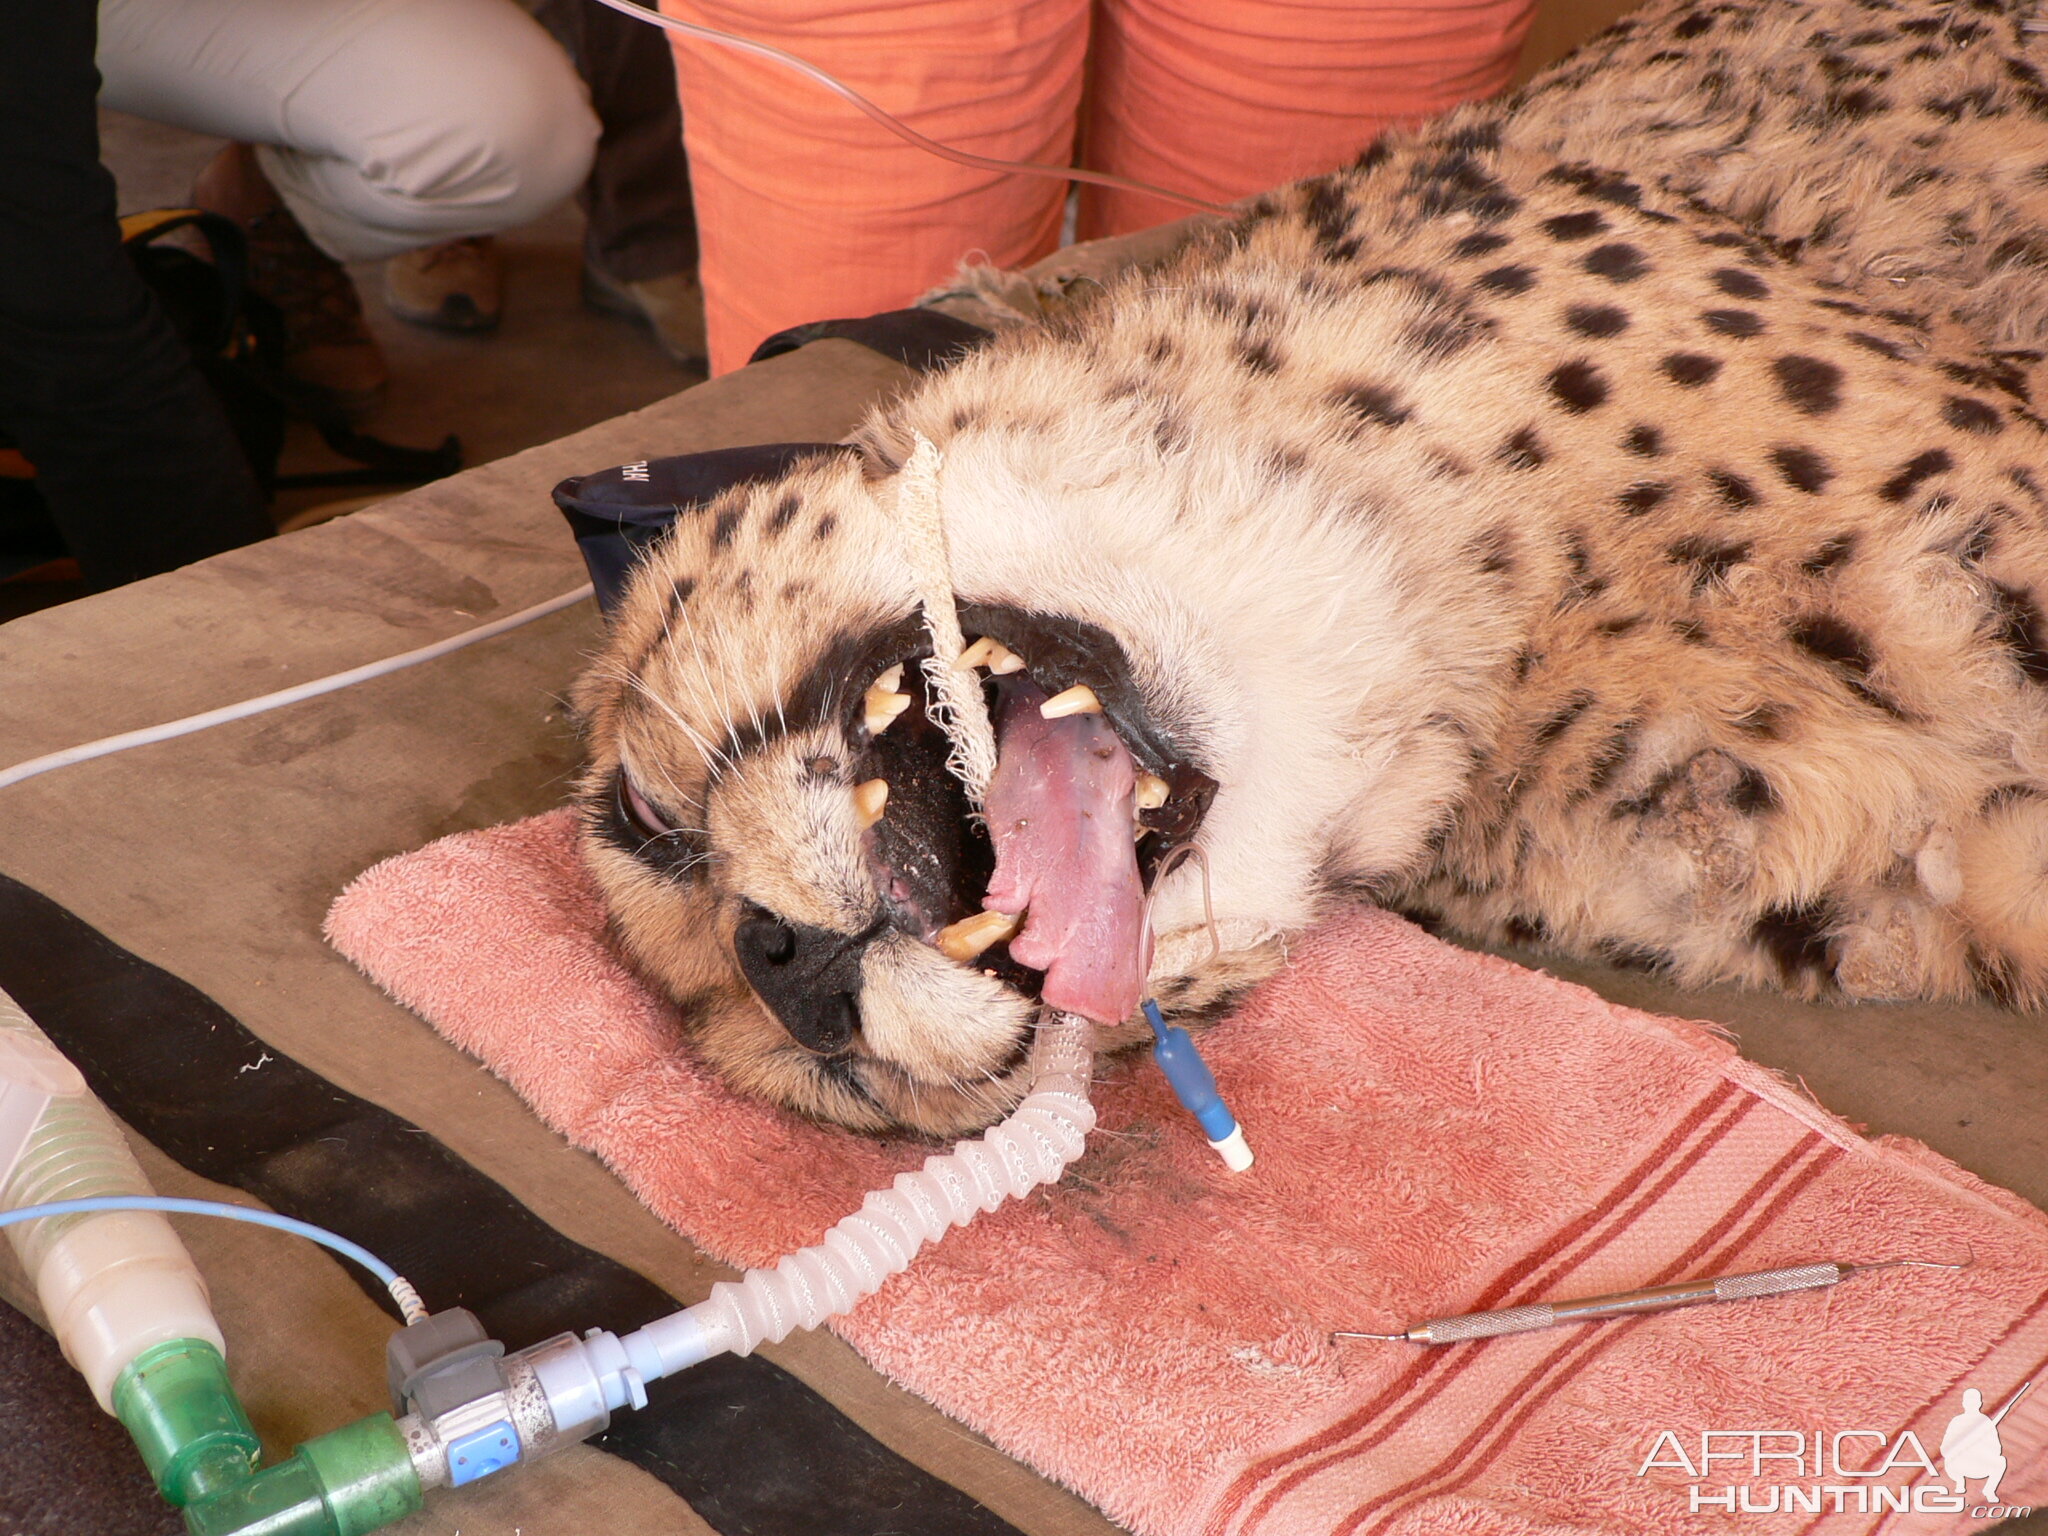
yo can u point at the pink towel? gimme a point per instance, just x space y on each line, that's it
1436 1131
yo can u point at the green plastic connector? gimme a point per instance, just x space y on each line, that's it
176 1403
351 1482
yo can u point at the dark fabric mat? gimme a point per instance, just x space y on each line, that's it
66 1469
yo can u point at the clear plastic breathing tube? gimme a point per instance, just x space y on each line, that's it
1033 1146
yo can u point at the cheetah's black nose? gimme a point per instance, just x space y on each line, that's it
808 977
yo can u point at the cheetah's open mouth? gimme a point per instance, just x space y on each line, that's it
1088 796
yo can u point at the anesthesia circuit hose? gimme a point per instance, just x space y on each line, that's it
130 1309
1032 1147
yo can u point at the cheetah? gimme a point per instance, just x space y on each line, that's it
1613 520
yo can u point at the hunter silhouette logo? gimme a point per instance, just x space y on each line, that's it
1970 1446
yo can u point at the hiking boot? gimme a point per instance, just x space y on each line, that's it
672 306
453 286
327 343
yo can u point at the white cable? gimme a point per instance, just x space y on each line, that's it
293 695
901 129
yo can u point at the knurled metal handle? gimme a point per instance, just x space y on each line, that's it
1486 1325
1772 1282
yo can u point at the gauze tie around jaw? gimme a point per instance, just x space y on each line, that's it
957 706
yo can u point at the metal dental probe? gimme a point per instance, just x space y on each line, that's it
1654 1298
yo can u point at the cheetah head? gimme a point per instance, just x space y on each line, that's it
782 847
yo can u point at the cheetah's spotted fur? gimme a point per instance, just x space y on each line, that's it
1615 518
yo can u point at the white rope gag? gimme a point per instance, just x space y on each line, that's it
956 707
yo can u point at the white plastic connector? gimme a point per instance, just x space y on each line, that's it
1235 1151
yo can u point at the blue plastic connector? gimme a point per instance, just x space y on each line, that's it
1195 1086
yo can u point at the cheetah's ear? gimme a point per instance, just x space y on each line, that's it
617 513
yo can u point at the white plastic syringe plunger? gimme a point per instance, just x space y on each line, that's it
1032 1147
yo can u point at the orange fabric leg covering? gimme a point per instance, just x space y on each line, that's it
1224 98
809 211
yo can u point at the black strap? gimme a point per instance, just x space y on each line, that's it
617 513
924 339
753 1449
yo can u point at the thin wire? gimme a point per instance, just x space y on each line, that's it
293 695
901 129
1167 866
408 1299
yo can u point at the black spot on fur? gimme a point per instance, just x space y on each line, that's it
1645 442
1328 212
1834 552
1802 468
1642 497
1914 472
1967 415
1811 385
1691 631
1578 386
1738 284
1596 320
1848 652
1161 349
1998 374
827 526
1735 491
1795 938
1526 661
1171 433
1559 721
1689 370
1525 930
1827 637
1739 323
1258 357
1707 559
1618 263
1484 243
727 526
784 514
2019 626
1693 25
1374 155
1495 550
1372 403
1610 757
1524 450
1507 280
1877 344
1575 226
1613 629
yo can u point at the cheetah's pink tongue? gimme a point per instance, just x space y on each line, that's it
1059 810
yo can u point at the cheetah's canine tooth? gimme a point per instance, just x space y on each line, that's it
967 938
1077 700
869 800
